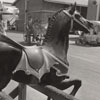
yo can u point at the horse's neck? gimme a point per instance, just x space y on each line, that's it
57 49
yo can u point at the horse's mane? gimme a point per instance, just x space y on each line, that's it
51 22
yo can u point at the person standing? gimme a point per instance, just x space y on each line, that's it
30 29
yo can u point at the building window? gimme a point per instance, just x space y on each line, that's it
84 11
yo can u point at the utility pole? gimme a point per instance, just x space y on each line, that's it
27 36
25 23
98 10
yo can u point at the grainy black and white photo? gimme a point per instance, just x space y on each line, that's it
49 49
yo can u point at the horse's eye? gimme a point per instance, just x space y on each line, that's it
77 16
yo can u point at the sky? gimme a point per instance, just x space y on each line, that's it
10 1
81 2
84 2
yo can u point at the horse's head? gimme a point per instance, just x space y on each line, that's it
59 26
81 23
78 22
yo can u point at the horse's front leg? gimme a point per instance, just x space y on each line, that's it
68 83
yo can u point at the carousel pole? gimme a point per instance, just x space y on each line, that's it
22 87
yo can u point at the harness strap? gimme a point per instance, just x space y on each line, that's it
71 27
74 19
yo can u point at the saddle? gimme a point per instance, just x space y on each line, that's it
35 57
36 60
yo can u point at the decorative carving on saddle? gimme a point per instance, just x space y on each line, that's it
37 61
52 61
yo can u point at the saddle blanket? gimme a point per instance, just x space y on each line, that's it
48 62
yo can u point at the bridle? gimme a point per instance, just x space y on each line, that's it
72 24
72 21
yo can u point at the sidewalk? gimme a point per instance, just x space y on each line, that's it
18 36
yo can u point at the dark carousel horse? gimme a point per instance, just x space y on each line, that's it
57 41
45 65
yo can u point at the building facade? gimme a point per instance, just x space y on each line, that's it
41 9
93 12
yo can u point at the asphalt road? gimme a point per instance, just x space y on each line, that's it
84 65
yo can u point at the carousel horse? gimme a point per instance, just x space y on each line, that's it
46 65
59 48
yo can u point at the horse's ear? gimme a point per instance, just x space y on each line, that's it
73 8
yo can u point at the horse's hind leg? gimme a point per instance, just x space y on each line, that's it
4 80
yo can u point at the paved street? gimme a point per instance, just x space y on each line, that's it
84 64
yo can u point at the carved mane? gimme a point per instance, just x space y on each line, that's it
51 21
57 38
